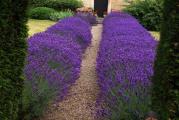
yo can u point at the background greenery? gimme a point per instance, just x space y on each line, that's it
57 4
148 12
45 13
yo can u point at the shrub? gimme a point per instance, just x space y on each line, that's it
13 32
53 65
37 3
165 92
73 25
57 4
88 17
35 101
43 13
124 68
148 12
60 15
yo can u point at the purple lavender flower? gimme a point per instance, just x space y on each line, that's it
124 67
73 26
88 17
55 55
53 63
55 59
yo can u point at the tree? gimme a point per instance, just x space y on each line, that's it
13 33
165 90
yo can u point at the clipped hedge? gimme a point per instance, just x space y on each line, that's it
88 17
60 15
165 94
42 13
76 26
148 12
13 33
53 64
124 68
45 13
57 4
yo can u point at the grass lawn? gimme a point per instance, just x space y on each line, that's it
155 34
36 26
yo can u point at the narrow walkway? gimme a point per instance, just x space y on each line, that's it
80 103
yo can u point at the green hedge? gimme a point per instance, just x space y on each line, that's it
148 12
57 4
44 13
165 94
13 33
60 15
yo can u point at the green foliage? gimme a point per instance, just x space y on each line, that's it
35 101
44 13
57 4
148 12
133 107
60 15
165 94
13 33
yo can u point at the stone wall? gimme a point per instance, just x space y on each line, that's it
112 6
118 4
88 3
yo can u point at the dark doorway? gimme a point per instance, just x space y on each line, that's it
100 7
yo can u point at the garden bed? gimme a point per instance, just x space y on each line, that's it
53 64
124 67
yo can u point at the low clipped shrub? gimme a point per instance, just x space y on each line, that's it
36 100
45 13
60 15
57 4
124 68
53 65
148 12
76 26
88 17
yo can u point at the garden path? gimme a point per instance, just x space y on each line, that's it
80 102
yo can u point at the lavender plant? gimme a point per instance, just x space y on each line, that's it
88 17
124 68
76 27
53 64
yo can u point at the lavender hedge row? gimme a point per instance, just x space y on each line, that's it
124 68
76 27
53 64
87 16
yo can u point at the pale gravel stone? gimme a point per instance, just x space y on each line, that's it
80 102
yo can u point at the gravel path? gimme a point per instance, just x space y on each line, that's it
80 102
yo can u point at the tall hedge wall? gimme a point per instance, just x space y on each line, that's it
13 33
165 95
